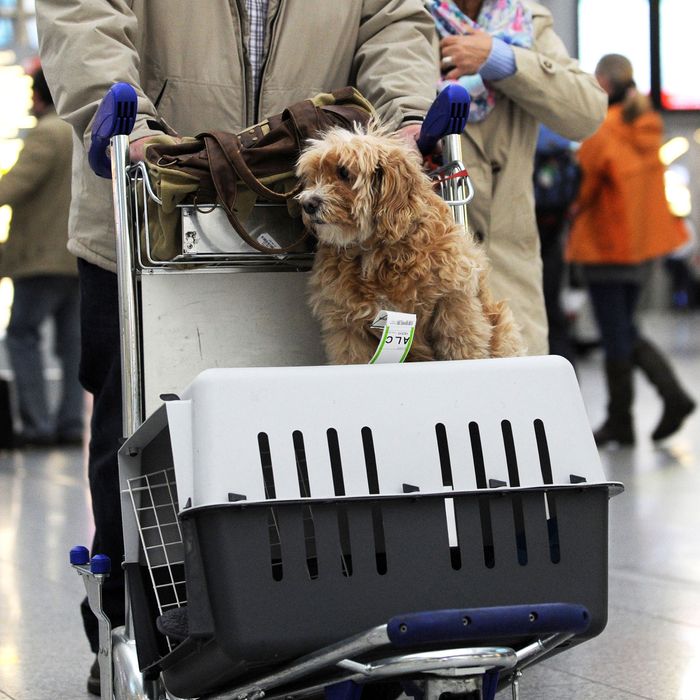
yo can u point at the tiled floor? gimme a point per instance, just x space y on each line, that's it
650 648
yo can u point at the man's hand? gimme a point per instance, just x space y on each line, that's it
464 54
137 148
410 134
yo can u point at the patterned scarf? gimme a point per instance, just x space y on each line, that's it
508 20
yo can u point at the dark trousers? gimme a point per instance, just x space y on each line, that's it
37 298
614 306
551 224
100 374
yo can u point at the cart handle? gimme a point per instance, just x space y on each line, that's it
501 622
115 116
447 115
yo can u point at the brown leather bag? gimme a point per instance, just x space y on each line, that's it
235 170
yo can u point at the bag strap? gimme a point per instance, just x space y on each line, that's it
230 146
305 120
223 175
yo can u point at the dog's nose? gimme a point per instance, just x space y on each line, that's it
311 204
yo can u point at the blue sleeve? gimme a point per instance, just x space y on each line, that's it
500 63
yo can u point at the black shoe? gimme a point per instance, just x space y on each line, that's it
677 404
673 416
93 681
24 440
610 432
69 439
94 678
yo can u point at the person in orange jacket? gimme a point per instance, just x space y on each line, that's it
623 222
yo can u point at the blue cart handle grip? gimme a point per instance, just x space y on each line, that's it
115 115
493 623
447 115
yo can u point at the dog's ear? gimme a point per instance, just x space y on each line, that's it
308 158
393 182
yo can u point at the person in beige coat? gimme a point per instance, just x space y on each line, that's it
44 275
531 79
220 64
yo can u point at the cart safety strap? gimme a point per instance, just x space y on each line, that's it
439 179
397 336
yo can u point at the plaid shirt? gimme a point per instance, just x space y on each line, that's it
257 18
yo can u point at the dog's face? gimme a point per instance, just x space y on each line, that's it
357 186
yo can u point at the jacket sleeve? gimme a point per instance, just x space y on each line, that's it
592 157
550 85
32 168
395 63
85 47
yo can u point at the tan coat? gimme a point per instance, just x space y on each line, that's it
548 87
38 190
190 54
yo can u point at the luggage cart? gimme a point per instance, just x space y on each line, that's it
294 529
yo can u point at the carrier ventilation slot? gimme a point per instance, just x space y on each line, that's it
444 454
266 465
477 456
339 490
448 483
550 503
336 464
373 486
514 478
307 515
269 486
484 507
302 469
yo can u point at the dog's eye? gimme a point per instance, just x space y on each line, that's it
343 173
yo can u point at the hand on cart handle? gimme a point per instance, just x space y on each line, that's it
411 134
115 115
447 115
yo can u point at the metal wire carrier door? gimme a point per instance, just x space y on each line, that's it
154 501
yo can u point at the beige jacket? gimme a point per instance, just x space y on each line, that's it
189 56
38 190
548 87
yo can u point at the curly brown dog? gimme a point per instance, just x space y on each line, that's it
387 240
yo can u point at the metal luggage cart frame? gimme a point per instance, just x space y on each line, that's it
168 537
141 191
453 180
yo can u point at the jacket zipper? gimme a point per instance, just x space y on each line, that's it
242 55
270 37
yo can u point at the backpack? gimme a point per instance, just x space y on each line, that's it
556 175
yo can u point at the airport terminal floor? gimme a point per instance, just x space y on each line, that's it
650 648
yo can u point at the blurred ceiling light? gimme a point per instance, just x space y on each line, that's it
696 136
6 295
5 218
678 193
16 90
673 149
9 150
7 57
